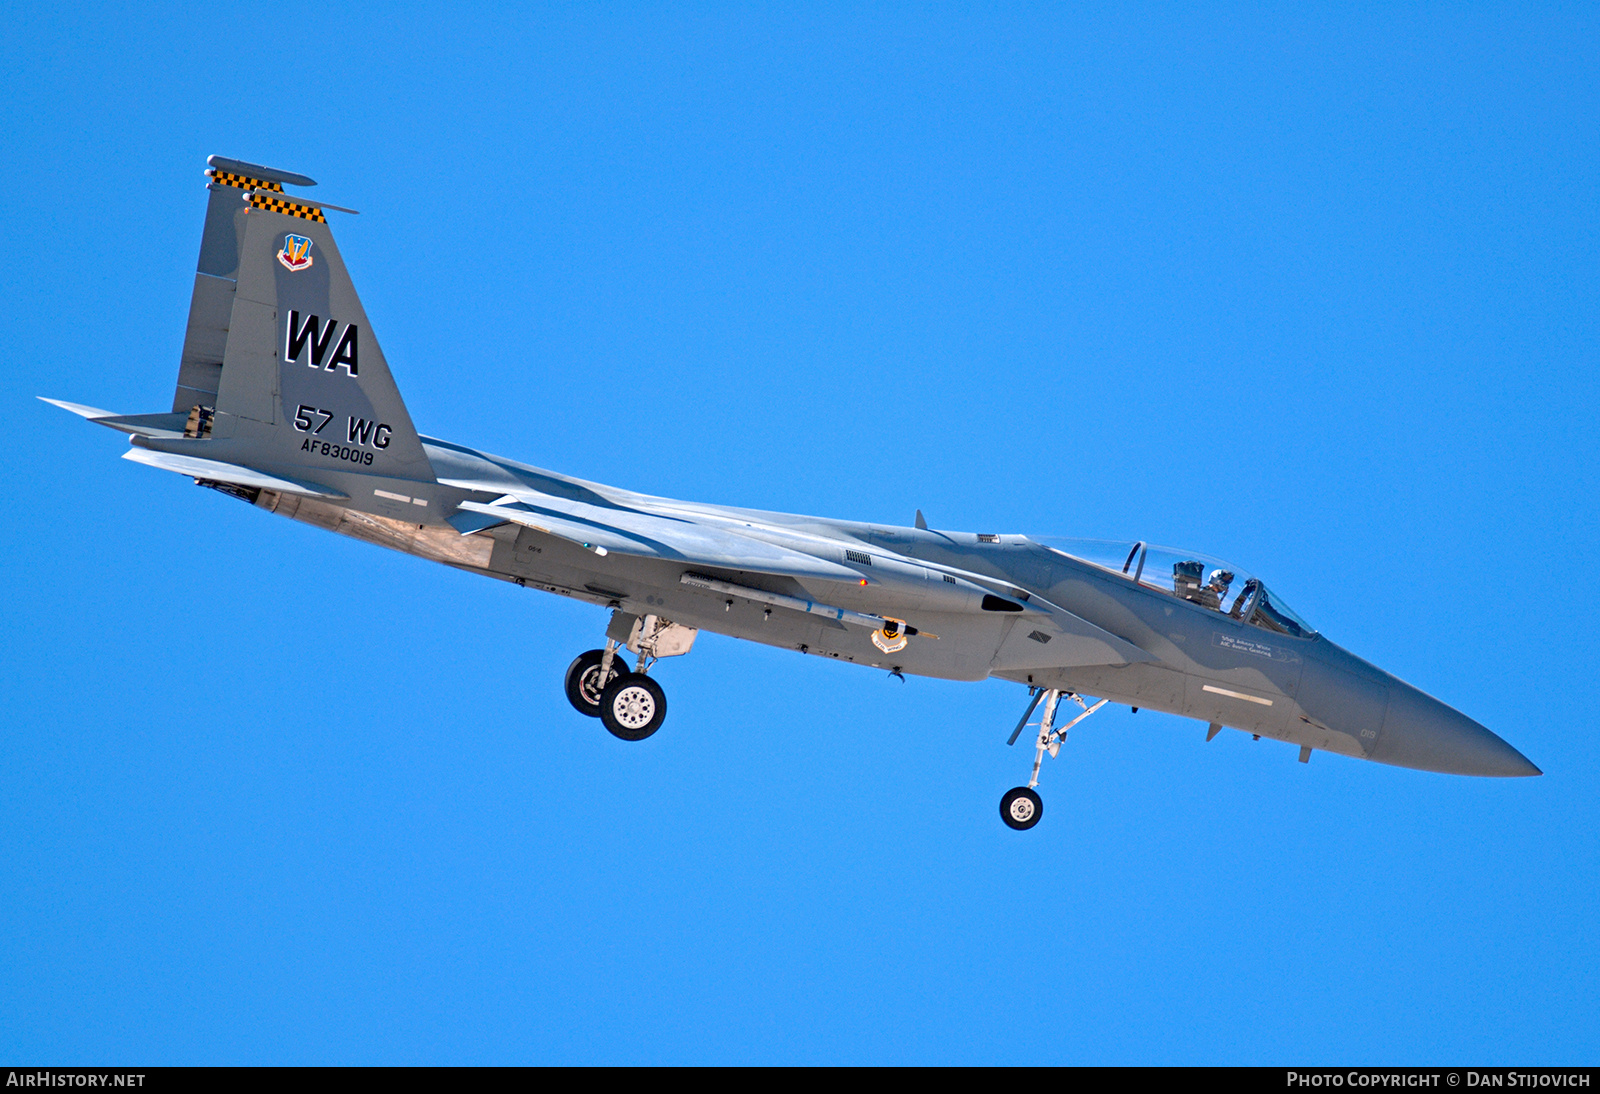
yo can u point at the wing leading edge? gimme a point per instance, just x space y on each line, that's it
630 532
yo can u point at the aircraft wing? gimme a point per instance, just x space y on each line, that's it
604 529
1043 635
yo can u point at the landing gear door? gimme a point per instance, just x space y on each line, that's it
652 635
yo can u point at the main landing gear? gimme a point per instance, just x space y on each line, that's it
630 705
1021 807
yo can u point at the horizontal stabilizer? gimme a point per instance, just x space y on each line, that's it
90 412
217 471
145 425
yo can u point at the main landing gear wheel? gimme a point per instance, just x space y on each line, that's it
633 706
1021 808
584 684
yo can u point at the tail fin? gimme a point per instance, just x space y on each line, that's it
211 307
280 367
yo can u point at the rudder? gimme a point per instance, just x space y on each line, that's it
217 273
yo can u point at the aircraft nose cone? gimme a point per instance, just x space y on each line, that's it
1424 733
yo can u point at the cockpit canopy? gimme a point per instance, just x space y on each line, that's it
1200 579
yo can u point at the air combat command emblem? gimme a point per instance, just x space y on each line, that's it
296 253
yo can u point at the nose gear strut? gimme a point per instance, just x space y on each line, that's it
1021 806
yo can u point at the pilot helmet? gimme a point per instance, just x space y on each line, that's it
1221 578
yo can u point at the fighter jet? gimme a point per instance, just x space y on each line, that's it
285 401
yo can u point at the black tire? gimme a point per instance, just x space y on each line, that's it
1021 808
633 706
583 683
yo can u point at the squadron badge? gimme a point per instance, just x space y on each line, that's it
296 253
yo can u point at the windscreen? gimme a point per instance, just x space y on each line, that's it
1118 556
1200 579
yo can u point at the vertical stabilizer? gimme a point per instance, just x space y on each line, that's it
280 366
211 306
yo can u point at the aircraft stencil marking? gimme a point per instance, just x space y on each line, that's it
336 451
304 417
362 431
1236 694
1244 645
1129 623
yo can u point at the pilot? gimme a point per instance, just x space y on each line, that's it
1216 589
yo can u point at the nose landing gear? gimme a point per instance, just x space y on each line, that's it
1021 807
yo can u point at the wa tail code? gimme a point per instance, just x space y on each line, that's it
311 334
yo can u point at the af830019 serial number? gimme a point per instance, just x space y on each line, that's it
337 451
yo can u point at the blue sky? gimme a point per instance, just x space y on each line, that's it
1311 290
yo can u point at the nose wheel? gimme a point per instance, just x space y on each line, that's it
1021 807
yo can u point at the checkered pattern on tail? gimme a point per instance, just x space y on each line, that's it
243 182
259 200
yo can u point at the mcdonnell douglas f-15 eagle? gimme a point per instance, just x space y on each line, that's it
285 401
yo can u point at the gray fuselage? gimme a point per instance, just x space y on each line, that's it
1168 653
